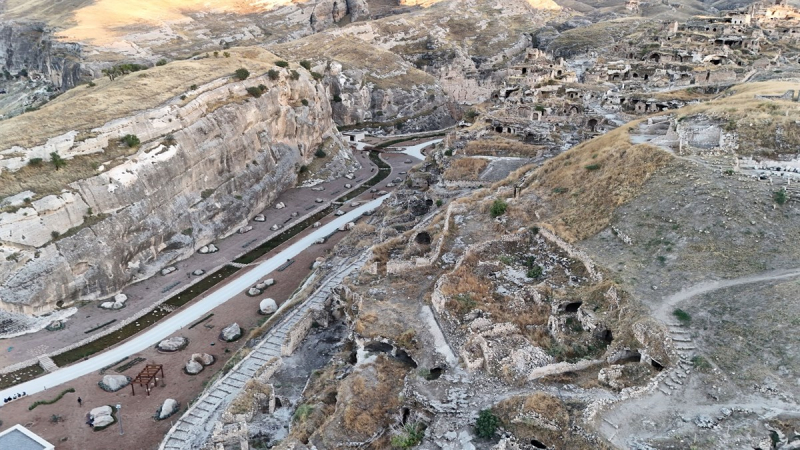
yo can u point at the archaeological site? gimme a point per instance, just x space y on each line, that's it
400 224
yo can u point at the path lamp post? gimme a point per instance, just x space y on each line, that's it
119 417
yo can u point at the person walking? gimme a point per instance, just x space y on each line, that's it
80 402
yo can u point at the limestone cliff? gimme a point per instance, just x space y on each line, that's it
205 165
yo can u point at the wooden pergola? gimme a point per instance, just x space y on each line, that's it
148 374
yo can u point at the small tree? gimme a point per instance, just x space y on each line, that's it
294 75
241 74
304 102
226 54
317 76
161 62
780 197
131 140
337 99
486 424
320 153
35 162
57 160
216 54
305 64
254 91
282 63
498 208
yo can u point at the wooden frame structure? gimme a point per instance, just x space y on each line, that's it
148 374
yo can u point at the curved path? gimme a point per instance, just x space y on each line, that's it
416 150
175 322
664 310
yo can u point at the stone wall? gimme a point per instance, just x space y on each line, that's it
230 158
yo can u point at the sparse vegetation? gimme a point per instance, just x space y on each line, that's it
50 402
294 75
131 140
320 153
57 161
282 63
304 102
780 197
254 91
241 74
162 62
337 99
409 436
273 74
487 424
682 316
317 76
305 64
498 208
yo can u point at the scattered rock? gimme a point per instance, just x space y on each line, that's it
260 218
193 367
246 229
203 358
268 306
254 292
339 212
167 409
319 200
113 383
198 272
280 205
101 416
276 227
318 188
231 333
269 281
316 225
350 176
173 344
120 298
348 185
168 270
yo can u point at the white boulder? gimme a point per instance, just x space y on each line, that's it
173 344
120 298
231 332
193 367
280 205
169 407
316 225
168 270
246 229
203 358
260 218
100 411
268 306
115 382
252 292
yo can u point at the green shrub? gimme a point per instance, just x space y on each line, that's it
282 63
55 234
448 152
91 84
780 197
57 160
161 62
206 193
302 412
241 74
534 272
254 91
303 169
295 75
216 54
439 202
486 424
226 54
498 208
305 64
50 402
304 102
35 162
593 167
701 363
471 114
320 153
410 436
188 231
131 140
337 99
193 87
317 76
684 317
273 74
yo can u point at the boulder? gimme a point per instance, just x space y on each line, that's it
348 185
115 382
193 367
212 248
246 229
318 188
168 270
316 264
316 225
268 306
173 344
102 421
319 200
294 214
339 212
269 281
276 227
260 218
350 176
231 333
198 272
252 292
100 411
203 250
120 298
203 358
169 408
107 305
280 205
261 286
354 204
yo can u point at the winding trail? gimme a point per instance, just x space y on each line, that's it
175 322
665 309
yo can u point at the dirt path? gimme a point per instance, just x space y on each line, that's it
664 311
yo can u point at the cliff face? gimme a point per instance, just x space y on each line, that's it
227 156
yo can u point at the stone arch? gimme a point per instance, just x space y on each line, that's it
592 125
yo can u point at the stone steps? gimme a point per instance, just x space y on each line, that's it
47 364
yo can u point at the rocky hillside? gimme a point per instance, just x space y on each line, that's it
206 156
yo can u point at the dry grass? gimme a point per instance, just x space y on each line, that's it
465 169
245 401
370 397
83 108
583 186
387 70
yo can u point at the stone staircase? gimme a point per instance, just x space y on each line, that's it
685 347
194 428
47 364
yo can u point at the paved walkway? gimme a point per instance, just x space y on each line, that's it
176 321
196 425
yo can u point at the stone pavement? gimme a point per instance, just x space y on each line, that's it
196 425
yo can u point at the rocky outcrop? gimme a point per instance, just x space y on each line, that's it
205 165
329 12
